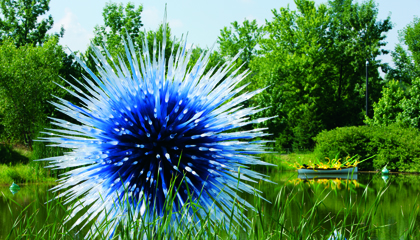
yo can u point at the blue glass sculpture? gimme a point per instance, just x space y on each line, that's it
14 188
151 123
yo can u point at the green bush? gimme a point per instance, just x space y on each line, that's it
394 145
15 175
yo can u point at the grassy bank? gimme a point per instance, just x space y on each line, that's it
24 173
17 164
284 162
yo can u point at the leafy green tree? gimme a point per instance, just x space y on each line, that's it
19 21
171 42
27 76
404 70
411 36
389 106
243 37
119 20
313 63
410 116
407 62
215 59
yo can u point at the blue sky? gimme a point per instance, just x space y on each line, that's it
202 20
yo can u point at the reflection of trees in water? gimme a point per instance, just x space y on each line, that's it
341 196
31 200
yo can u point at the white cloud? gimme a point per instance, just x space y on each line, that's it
151 18
175 23
75 37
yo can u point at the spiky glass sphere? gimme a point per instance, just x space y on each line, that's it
148 125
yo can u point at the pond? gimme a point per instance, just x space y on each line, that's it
394 207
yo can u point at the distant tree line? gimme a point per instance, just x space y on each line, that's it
311 62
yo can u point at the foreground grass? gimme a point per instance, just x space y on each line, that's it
292 219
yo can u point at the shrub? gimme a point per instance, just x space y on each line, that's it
15 175
394 145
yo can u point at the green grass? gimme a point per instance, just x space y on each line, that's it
21 173
295 219
284 162
17 164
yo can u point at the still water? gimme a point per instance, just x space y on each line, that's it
396 204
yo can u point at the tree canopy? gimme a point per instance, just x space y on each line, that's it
19 21
119 20
243 38
27 76
406 55
313 61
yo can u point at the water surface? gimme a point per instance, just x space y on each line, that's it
398 199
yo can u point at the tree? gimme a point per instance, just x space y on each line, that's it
158 34
405 70
245 38
387 109
215 59
313 61
27 76
118 22
19 21
410 116
407 62
397 106
411 36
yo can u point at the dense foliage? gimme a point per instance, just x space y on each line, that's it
238 38
19 21
387 109
406 56
313 61
400 101
27 76
393 145
397 105
119 21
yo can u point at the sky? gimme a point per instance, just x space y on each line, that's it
202 20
